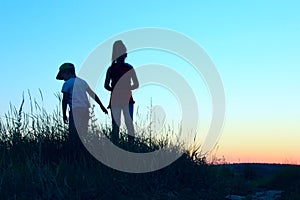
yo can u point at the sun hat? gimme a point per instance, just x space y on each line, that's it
62 68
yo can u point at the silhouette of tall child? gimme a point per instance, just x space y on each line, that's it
121 79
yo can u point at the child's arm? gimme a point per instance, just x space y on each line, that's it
107 81
135 81
96 98
64 107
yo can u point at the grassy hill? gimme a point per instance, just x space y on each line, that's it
38 162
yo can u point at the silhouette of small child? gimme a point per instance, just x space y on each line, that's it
75 96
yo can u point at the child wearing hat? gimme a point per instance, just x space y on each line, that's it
75 96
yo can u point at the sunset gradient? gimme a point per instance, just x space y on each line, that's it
254 45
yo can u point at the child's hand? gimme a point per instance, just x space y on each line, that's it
104 109
65 119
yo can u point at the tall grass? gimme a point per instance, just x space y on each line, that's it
38 162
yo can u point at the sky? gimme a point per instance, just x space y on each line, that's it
254 45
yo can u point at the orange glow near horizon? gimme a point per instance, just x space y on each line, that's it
260 143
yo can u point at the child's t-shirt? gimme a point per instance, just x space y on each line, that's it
76 89
122 94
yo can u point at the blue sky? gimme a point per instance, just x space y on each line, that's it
255 46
